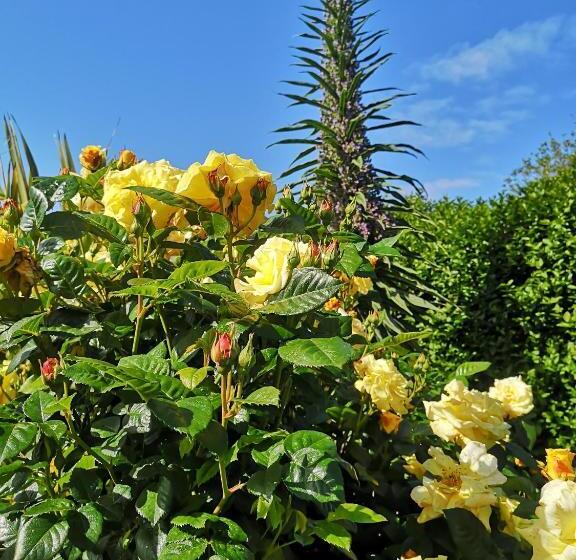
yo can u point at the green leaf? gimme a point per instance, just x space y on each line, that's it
35 210
50 245
263 483
38 406
384 249
356 514
214 224
197 270
190 416
192 377
154 503
104 226
317 352
51 505
468 369
15 438
230 551
295 209
65 225
199 521
308 446
66 275
333 534
307 289
189 549
88 374
320 482
472 540
350 259
167 197
40 539
262 397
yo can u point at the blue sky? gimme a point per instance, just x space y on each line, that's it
174 79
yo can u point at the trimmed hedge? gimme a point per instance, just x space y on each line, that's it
507 267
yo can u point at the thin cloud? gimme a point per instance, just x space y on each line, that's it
444 186
505 50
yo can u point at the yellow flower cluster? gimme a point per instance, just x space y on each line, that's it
553 533
246 191
463 415
387 387
119 202
470 484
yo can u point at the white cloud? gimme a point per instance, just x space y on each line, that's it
503 51
443 186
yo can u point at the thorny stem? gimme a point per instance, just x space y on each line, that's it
225 387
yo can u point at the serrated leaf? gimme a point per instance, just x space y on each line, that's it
192 377
356 514
197 270
104 226
50 505
264 396
38 406
214 224
15 438
40 539
189 549
307 289
333 534
35 210
317 352
154 503
66 275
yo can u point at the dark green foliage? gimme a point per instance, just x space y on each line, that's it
507 267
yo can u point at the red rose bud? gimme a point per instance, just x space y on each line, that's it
65 171
222 348
326 212
137 204
10 211
217 184
314 250
48 369
258 191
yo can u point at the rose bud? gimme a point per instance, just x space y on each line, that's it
93 158
217 184
326 211
258 191
49 369
222 348
126 159
65 171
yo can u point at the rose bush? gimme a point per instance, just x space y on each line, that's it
184 377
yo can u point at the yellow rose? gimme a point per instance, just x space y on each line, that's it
469 484
463 415
247 192
271 265
389 422
360 285
126 159
87 204
553 533
118 201
93 158
387 387
9 384
512 523
333 304
413 466
7 247
559 464
514 394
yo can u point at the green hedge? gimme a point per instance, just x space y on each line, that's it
507 267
